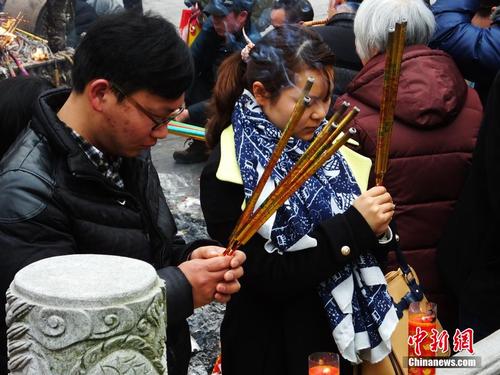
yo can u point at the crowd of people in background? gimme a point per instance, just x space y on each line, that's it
439 194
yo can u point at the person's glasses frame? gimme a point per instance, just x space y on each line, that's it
158 121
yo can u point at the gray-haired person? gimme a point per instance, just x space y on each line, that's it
437 118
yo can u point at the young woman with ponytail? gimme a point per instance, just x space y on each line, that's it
312 281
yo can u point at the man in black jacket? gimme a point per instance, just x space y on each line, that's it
80 179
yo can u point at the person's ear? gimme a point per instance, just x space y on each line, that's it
242 16
260 93
98 92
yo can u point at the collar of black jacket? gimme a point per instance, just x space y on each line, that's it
343 18
46 123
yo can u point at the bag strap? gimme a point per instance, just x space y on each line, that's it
415 293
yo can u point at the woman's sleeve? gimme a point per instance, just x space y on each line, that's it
340 240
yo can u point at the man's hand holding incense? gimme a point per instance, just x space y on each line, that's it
212 276
376 207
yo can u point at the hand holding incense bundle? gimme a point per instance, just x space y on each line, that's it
320 150
394 54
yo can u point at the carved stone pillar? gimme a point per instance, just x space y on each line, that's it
86 314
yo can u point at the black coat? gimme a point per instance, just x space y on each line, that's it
338 34
54 201
469 252
209 50
277 319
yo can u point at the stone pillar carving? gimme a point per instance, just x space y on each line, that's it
86 314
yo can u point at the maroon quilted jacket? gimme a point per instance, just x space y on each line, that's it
437 119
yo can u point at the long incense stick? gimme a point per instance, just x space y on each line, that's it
394 54
322 141
315 150
297 113
321 149
33 36
328 129
288 188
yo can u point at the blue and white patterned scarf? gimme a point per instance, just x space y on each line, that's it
360 310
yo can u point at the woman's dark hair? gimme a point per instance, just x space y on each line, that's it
274 61
17 99
136 52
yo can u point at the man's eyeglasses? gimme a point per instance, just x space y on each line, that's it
158 121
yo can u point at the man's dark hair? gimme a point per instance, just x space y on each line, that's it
136 52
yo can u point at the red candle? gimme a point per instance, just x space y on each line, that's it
426 324
323 370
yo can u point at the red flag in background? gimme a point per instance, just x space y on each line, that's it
190 23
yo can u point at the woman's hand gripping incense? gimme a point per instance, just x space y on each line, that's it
377 208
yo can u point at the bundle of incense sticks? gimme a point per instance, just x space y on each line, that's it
7 30
326 143
298 111
394 55
186 130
